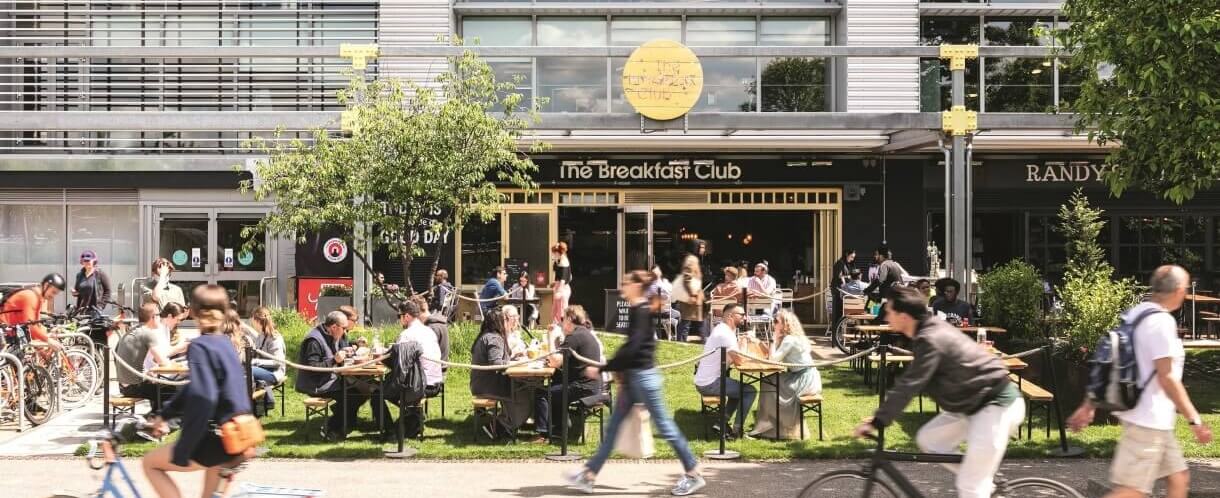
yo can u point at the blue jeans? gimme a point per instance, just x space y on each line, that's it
643 386
685 327
263 375
740 398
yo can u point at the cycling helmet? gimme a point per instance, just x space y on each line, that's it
55 280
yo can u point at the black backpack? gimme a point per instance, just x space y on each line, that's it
1115 381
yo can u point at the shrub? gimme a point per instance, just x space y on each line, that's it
336 291
1092 301
1011 296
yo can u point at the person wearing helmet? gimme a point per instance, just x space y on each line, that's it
25 305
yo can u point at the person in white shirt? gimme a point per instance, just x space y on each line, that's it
416 331
162 292
707 374
1148 450
762 285
512 324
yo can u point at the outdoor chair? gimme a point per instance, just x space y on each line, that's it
316 407
811 403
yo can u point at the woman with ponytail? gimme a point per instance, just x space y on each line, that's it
216 394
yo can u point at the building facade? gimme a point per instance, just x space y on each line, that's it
126 123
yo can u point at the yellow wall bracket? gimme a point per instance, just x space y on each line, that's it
957 55
359 54
958 121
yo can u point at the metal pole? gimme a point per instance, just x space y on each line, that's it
882 372
956 229
250 374
723 454
20 381
1064 450
563 418
106 388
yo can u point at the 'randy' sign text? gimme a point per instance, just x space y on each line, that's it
1065 171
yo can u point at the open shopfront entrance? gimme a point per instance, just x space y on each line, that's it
609 232
205 245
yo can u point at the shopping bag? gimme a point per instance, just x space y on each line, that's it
635 435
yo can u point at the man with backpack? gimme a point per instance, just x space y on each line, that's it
1147 394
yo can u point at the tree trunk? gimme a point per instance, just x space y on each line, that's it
408 255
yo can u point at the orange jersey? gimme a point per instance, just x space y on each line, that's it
25 306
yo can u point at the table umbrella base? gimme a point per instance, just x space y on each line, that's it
717 455
406 452
559 457
1070 452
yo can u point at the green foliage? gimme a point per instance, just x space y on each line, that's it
794 84
1154 90
1092 299
336 291
419 160
288 319
1080 225
1011 297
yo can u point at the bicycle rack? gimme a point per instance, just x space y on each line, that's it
20 381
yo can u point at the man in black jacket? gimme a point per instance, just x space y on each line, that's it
981 406
326 346
548 406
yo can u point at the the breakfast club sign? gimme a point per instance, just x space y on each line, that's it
698 171
603 170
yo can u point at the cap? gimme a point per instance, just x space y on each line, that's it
88 255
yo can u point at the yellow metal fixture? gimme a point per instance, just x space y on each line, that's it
958 121
957 55
359 54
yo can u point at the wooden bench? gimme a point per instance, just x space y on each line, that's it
710 406
1036 397
482 407
122 405
811 403
316 406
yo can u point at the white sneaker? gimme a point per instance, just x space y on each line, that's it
688 485
579 480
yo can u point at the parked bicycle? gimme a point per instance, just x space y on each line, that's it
867 483
41 397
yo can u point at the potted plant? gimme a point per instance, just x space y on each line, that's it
331 297
381 307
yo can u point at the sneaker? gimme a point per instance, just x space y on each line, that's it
688 485
579 480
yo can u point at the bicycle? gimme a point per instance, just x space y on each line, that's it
41 396
867 480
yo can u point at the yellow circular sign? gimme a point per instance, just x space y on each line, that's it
662 79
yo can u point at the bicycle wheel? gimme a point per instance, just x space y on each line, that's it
838 336
846 484
77 377
1036 486
9 404
40 395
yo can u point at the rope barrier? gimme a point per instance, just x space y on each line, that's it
659 367
308 368
477 300
1023 354
816 364
155 380
488 368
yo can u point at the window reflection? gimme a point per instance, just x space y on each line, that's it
1019 85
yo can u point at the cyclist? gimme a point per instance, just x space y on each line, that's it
25 305
982 407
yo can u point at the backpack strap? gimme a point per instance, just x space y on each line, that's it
1135 326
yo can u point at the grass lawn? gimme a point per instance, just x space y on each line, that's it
847 401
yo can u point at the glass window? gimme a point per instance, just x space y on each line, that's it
936 85
113 232
635 31
572 31
1019 85
181 238
529 240
936 30
229 237
480 250
794 84
573 84
1070 77
31 242
728 84
723 31
1021 31
515 70
794 31
498 31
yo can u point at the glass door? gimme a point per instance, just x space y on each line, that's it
636 238
206 247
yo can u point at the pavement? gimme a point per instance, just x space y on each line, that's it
531 479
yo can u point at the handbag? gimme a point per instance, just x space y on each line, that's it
635 435
241 433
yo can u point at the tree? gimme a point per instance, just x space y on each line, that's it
793 84
1080 225
417 161
1154 91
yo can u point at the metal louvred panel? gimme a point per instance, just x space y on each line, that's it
666 197
108 196
413 22
31 196
882 84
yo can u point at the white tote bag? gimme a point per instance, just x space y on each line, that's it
635 435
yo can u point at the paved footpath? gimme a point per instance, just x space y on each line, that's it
373 478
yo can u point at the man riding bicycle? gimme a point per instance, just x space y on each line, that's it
25 306
981 406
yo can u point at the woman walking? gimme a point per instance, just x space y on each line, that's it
635 371
688 296
216 394
791 347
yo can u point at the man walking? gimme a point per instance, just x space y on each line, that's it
707 374
1147 450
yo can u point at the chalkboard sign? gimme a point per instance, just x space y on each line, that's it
514 267
618 312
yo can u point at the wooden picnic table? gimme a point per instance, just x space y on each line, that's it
1201 344
861 316
752 372
375 370
174 368
1200 298
528 372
